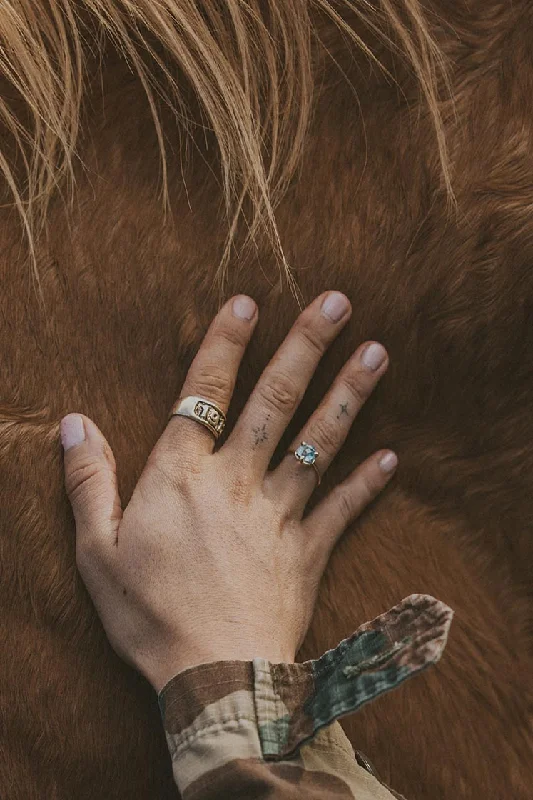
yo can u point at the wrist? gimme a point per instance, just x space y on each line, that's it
228 651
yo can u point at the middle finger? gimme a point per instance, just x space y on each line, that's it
282 385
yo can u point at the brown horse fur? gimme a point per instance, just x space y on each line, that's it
128 294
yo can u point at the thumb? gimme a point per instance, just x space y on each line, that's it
90 477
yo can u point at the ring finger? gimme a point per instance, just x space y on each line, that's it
327 429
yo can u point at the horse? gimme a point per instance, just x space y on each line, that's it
157 158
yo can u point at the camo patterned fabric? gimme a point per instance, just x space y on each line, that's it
250 729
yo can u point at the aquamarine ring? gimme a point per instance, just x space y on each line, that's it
307 455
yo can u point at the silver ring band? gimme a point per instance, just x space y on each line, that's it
201 410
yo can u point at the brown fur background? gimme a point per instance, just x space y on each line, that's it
448 291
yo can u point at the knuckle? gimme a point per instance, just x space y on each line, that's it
369 486
233 336
166 478
169 474
213 383
356 387
344 505
81 475
326 434
311 338
280 393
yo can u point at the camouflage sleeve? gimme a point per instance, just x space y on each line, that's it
256 729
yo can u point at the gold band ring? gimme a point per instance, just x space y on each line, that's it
201 410
306 454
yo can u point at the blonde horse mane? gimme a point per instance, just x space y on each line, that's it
249 62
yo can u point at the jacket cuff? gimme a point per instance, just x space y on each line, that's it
268 711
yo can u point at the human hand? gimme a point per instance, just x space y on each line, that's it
212 559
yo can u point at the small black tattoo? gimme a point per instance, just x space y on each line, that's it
260 434
344 410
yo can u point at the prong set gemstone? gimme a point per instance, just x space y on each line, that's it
306 454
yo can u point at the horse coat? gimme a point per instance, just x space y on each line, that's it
129 292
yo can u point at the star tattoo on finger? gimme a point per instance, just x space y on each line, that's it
344 410
260 434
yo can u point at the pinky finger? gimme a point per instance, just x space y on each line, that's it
330 518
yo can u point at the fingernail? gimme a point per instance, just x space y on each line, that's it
335 306
244 307
388 462
374 356
72 431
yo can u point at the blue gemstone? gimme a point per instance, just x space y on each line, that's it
306 453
